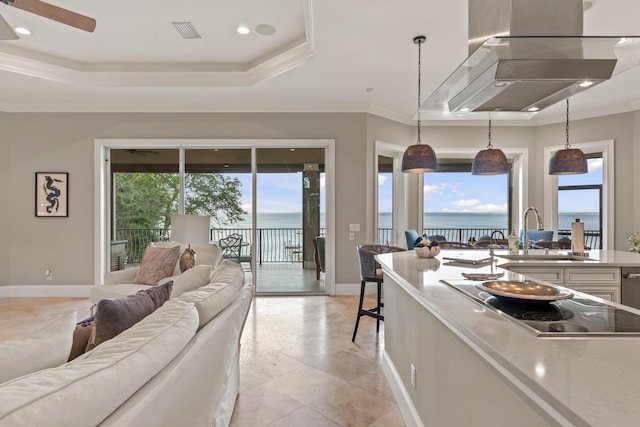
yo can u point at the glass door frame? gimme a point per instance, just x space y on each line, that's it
400 212
102 188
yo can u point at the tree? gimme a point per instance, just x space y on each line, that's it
147 200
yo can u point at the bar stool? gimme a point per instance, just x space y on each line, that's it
370 271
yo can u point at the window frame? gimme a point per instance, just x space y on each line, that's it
606 147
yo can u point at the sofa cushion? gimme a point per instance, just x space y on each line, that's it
157 263
215 297
191 279
45 347
116 315
89 388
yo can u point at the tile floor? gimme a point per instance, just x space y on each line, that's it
299 367
298 364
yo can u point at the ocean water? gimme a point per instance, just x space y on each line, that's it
431 220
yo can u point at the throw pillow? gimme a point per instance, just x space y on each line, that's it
81 335
157 263
116 315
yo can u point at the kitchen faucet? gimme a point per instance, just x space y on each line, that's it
525 235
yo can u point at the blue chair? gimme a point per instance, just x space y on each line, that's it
537 235
412 237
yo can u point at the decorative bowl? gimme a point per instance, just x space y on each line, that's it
427 252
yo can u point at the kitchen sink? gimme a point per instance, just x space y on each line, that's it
544 257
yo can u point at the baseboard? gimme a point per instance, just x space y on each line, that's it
400 393
14 291
343 289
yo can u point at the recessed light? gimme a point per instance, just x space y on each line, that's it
22 31
369 89
533 109
265 29
585 83
465 110
623 41
243 29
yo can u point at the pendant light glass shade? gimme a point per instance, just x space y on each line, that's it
568 161
419 158
490 161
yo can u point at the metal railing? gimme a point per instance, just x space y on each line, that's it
285 244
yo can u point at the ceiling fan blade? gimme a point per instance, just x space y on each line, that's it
56 13
6 32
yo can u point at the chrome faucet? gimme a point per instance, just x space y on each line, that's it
525 235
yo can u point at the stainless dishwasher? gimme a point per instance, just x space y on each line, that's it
630 289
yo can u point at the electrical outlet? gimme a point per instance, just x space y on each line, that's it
352 235
49 274
413 376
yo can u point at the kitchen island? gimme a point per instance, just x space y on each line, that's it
453 362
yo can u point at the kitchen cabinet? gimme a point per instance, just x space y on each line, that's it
601 282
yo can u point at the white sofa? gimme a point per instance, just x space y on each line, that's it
179 366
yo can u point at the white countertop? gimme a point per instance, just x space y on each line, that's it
589 381
596 257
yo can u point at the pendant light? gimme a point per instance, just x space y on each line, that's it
419 157
568 161
491 161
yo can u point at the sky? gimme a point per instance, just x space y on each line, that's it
443 192
463 192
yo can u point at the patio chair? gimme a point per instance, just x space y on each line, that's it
370 271
412 237
318 255
231 247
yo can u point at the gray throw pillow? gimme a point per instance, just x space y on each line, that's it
116 315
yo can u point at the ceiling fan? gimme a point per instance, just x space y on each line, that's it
141 152
45 10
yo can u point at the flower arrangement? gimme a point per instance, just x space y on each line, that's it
426 248
634 241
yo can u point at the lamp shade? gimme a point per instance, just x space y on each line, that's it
568 161
190 228
490 161
419 158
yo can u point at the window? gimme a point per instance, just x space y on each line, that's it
587 196
580 196
462 207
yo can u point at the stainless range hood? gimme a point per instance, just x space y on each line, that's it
526 55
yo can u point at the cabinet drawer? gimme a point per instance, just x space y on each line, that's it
587 275
551 275
610 293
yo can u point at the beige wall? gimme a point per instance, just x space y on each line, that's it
5 185
64 143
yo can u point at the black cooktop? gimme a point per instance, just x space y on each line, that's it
577 316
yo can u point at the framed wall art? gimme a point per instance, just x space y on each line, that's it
52 194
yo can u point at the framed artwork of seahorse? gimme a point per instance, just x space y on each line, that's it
52 194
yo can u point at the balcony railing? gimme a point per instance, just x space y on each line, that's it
285 244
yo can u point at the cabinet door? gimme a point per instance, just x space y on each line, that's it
551 275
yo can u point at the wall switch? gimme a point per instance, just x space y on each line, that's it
354 227
352 235
413 376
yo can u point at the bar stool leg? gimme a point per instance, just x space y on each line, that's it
378 309
355 330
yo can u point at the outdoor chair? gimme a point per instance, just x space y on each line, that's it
318 255
412 237
231 247
370 271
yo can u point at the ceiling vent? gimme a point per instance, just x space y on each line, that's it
525 56
187 30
